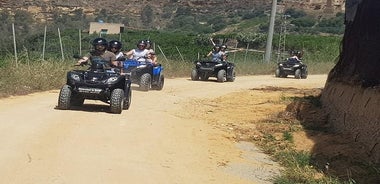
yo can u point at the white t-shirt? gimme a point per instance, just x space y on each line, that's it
139 55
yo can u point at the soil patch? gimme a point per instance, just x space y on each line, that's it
255 113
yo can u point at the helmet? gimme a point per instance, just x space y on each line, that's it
115 44
299 54
223 46
216 48
296 53
148 42
141 42
100 41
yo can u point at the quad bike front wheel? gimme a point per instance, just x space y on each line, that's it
117 101
145 82
194 75
297 74
127 100
221 76
64 100
277 73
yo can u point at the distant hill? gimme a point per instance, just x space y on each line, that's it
131 12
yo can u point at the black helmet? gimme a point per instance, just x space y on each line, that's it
216 48
296 53
100 41
299 54
115 44
148 42
141 42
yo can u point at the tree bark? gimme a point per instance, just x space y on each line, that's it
352 92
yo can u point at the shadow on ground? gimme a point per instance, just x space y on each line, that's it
335 154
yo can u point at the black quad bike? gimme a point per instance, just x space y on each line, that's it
222 70
145 74
99 82
291 67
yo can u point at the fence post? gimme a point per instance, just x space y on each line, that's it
80 43
60 42
180 54
44 45
163 53
246 53
14 43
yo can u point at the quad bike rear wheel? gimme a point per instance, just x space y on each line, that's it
232 77
160 83
304 74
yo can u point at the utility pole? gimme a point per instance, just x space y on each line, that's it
282 39
268 49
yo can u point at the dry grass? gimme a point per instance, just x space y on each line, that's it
32 76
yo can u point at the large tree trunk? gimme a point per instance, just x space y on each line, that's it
352 91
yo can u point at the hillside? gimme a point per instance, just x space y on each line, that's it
129 12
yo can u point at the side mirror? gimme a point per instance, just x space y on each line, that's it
77 56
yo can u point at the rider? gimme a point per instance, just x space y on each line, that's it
224 57
149 45
151 57
100 52
223 49
151 54
215 53
140 53
115 47
295 56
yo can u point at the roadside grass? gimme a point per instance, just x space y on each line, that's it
301 165
38 75
278 141
32 77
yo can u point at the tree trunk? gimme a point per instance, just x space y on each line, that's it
352 91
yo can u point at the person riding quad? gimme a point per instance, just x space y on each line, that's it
223 49
149 45
224 57
151 54
215 54
151 57
140 53
295 56
100 53
115 47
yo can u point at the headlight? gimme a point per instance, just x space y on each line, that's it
217 65
111 80
75 77
198 63
280 64
141 66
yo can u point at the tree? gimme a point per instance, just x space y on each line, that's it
147 16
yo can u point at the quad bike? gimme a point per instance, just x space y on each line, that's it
145 74
99 82
291 67
222 70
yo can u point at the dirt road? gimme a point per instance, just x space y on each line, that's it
154 142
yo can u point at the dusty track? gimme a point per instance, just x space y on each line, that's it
153 142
